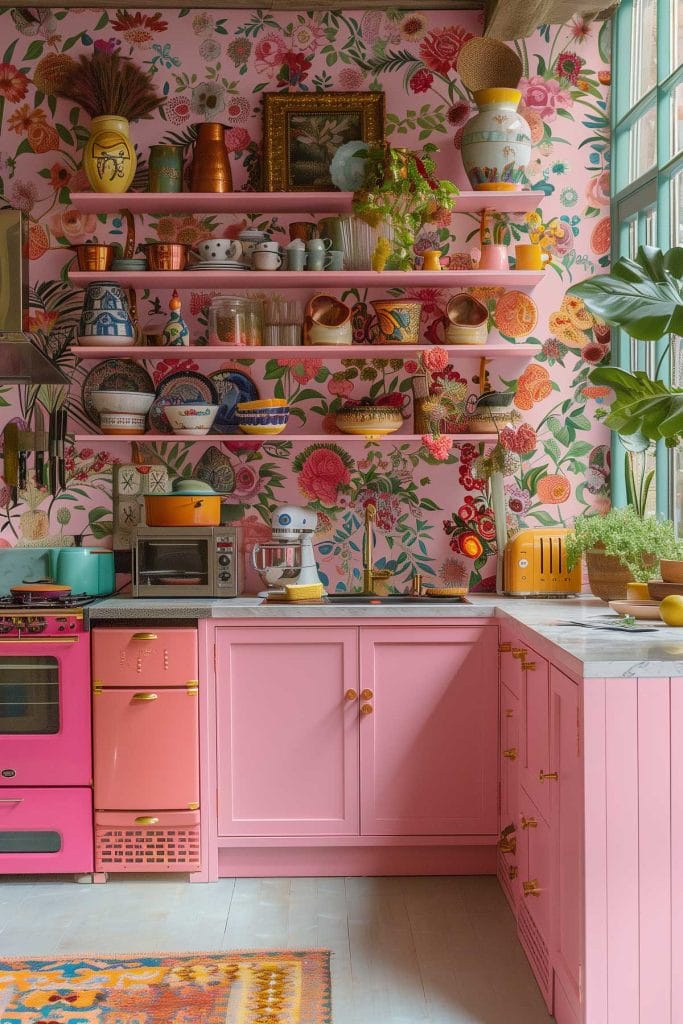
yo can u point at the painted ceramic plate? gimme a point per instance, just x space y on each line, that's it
233 386
347 169
114 375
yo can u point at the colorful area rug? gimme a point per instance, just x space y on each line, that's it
288 987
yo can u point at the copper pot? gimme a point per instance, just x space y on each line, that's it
210 168
92 256
165 255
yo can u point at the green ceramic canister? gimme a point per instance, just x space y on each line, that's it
166 168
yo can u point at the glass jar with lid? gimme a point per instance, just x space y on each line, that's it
235 320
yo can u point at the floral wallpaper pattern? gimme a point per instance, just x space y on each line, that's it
434 514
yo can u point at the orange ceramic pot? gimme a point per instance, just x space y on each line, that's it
183 510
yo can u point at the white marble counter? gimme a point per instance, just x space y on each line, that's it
546 623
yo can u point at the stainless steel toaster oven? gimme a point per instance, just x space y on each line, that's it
186 561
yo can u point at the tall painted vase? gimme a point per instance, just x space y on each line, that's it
496 142
106 314
109 159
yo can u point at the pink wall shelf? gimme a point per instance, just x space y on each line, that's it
504 350
106 439
314 280
277 202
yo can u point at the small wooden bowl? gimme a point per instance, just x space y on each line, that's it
658 590
671 570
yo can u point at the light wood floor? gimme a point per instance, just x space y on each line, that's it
405 950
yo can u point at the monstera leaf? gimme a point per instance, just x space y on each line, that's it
643 296
643 409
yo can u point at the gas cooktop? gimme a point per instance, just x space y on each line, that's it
26 602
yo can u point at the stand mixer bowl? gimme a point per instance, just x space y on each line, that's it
277 562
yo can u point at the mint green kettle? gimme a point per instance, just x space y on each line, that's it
86 570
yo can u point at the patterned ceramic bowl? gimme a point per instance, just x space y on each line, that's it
192 420
371 420
263 419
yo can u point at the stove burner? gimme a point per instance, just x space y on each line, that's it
16 603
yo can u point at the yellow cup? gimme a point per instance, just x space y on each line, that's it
531 257
431 259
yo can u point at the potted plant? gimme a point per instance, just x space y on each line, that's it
114 91
621 546
400 190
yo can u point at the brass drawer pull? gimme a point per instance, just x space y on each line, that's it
351 695
509 713
366 709
142 697
504 648
366 694
146 820
508 844
531 888
518 652
529 822
529 666
513 871
510 753
542 776
144 636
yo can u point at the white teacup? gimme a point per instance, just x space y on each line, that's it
266 247
219 249
266 260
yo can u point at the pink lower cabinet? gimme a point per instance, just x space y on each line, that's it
428 731
125 656
534 766
535 892
508 818
287 718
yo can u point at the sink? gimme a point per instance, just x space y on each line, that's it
405 599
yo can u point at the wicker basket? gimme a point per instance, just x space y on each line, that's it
607 575
485 63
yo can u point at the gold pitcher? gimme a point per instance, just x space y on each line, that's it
210 170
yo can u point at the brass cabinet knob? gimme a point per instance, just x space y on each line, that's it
366 694
351 695
146 820
529 822
504 648
518 652
531 888
508 844
509 713
542 776
528 666
144 636
366 709
510 753
140 697
513 871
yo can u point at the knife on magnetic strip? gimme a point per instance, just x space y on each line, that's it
10 436
40 444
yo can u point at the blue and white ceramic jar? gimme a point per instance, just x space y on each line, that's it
105 313
496 142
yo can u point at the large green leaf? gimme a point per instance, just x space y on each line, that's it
643 296
642 409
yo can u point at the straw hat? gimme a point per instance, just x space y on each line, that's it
485 63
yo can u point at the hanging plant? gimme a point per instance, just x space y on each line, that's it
401 191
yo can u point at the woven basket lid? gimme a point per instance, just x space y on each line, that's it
485 63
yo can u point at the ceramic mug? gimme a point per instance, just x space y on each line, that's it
266 260
493 257
334 260
219 249
315 261
296 259
303 229
431 259
321 245
531 257
296 243
266 247
448 333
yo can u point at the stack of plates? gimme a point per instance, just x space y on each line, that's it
218 265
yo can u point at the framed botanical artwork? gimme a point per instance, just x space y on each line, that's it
302 131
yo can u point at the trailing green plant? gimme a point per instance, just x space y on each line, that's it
401 191
645 298
107 83
638 542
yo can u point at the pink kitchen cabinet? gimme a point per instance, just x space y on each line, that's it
122 656
146 749
535 892
428 733
534 766
508 816
287 721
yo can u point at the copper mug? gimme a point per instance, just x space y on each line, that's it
210 169
303 229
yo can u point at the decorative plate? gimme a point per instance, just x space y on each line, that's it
233 386
114 375
177 389
347 170
215 469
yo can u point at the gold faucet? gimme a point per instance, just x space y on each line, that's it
374 580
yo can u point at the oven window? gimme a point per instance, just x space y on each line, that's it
173 563
29 695
32 841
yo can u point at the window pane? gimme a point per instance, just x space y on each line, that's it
676 33
643 144
643 48
677 117
677 209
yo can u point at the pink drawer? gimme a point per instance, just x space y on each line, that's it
122 656
45 831
147 841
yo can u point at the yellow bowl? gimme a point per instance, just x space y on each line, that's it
262 403
262 431
370 420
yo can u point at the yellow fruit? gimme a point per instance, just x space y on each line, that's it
671 610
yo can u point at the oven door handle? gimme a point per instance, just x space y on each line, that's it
39 640
12 800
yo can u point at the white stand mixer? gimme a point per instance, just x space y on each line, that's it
289 558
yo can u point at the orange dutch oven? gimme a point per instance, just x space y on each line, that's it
191 503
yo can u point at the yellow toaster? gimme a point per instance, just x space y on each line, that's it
535 565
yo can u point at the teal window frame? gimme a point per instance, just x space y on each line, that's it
641 209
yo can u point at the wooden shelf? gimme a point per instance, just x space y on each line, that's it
277 280
503 350
277 202
106 439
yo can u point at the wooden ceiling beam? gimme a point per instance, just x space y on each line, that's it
265 5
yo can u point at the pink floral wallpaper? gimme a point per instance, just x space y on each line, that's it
433 513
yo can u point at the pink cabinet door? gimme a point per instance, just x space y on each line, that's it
146 749
428 730
509 757
287 711
535 892
566 816
122 656
535 745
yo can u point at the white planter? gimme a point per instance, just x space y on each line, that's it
496 142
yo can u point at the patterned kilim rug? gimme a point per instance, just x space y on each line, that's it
288 987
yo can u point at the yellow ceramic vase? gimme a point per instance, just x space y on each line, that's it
109 159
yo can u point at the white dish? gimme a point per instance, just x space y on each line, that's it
131 402
215 265
122 423
100 341
192 420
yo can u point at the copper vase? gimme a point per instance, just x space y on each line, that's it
210 169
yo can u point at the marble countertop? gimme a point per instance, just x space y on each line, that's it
581 651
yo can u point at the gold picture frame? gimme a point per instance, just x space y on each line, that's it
293 122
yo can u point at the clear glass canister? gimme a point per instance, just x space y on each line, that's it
235 320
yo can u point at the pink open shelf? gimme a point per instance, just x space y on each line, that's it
504 350
277 202
105 439
254 280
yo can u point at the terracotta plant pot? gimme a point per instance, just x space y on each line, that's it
607 575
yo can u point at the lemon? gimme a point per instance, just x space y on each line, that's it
671 610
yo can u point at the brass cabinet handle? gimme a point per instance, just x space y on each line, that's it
140 697
531 888
366 694
146 820
509 713
144 636
350 695
513 871
510 753
542 776
529 822
508 844
504 648
366 709
528 666
518 652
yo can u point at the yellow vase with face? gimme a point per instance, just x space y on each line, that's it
109 159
